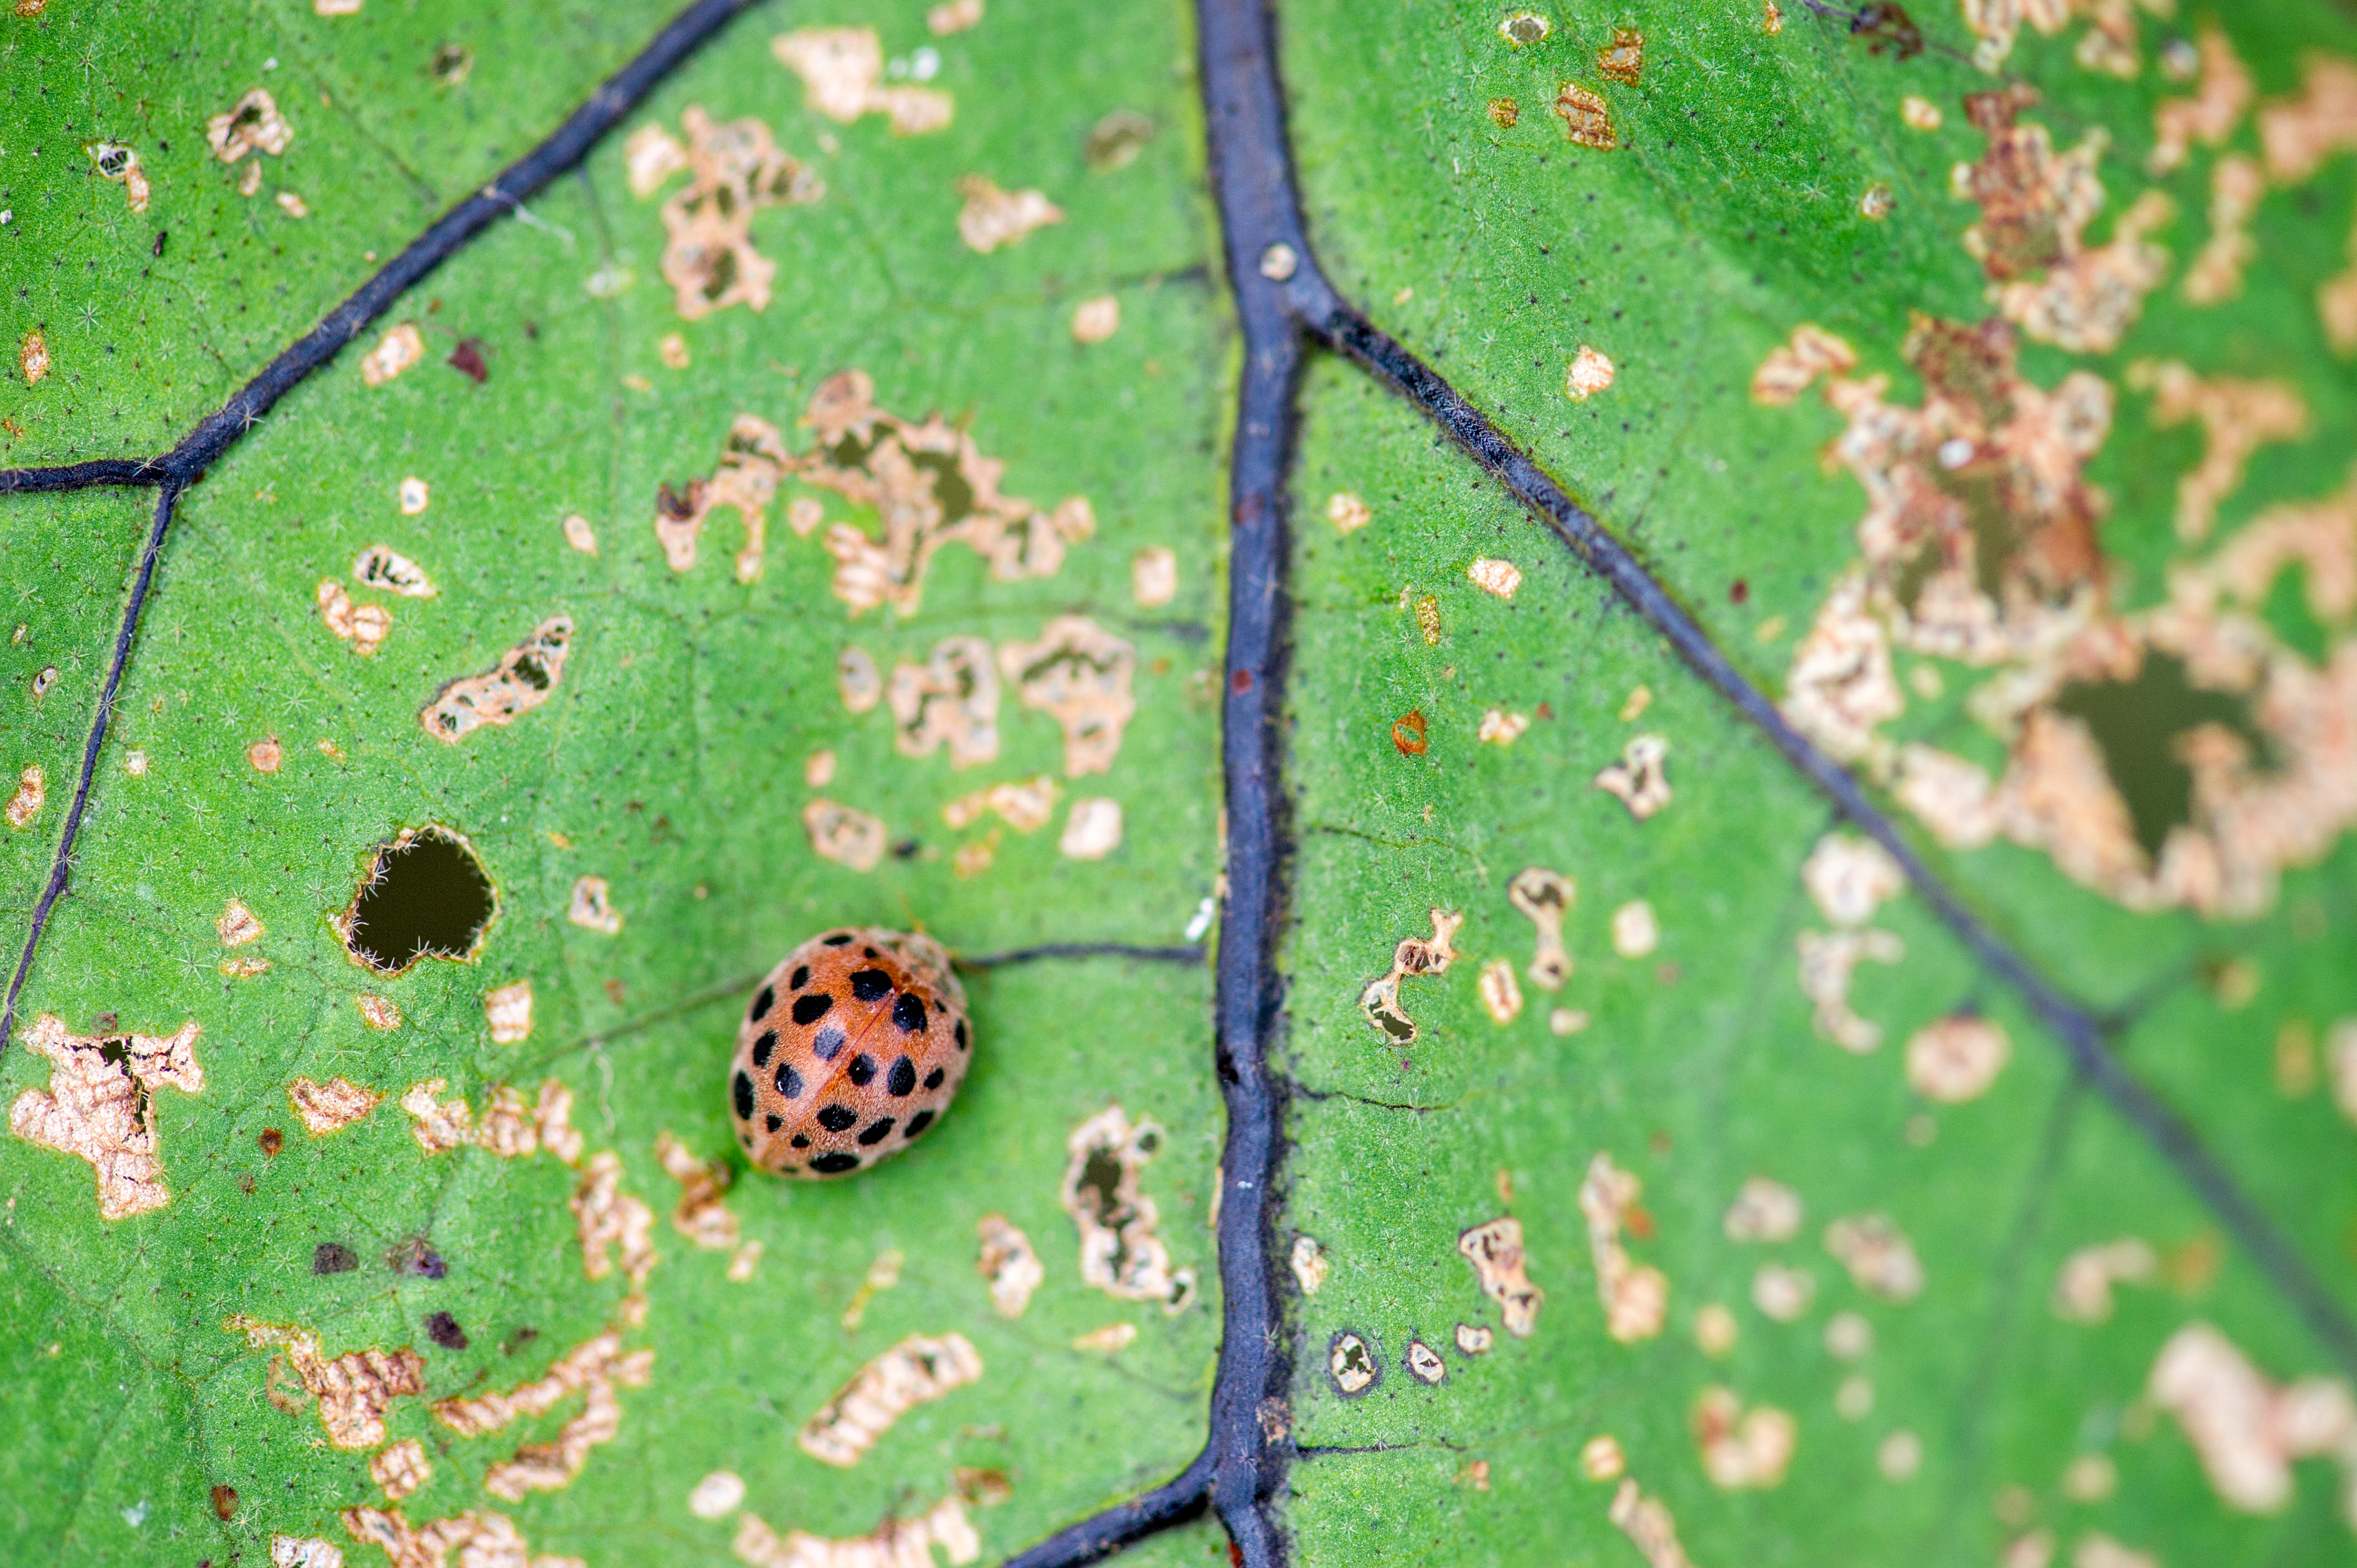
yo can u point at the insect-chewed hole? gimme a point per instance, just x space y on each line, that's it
425 895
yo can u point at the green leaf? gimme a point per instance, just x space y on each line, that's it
1660 1162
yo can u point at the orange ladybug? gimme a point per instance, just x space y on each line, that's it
852 1046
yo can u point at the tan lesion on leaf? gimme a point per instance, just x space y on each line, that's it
2297 134
2110 44
252 125
118 162
509 1127
1502 1270
1764 1210
898 1542
98 1106
991 218
932 486
2223 95
400 1468
1008 1264
594 1370
329 1107
354 1389
507 1009
25 803
609 1220
702 1214
1414 955
526 677
753 459
1880 1259
1741 1448
474 1539
383 567
1103 1192
949 700
2036 205
1587 118
843 75
1646 1521
1641 780
915 1371
1027 806
2237 417
2246 1429
1546 898
844 835
365 626
734 170
1635 1298
2083 1285
2215 275
1078 674
1622 60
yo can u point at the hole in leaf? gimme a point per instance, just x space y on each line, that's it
2138 724
425 895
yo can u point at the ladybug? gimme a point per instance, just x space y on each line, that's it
852 1046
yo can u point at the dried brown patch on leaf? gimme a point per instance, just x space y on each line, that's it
378 1012
252 125
2319 536
365 626
609 1220
898 1542
2035 206
991 217
1956 1058
1764 1210
752 460
1502 1269
734 170
1622 60
401 1468
1103 1191
2216 273
1078 674
953 699
2221 97
1309 1264
1587 118
1880 1259
1647 1521
33 358
916 1371
2083 1285
402 347
1591 371
353 1388
332 1106
844 835
843 75
932 486
1414 955
114 161
1636 1298
2237 418
702 1215
238 925
474 1539
1742 1449
2246 1428
599 1359
98 1106
508 1010
1545 897
1501 997
1641 780
1008 1264
526 677
2298 133
32 792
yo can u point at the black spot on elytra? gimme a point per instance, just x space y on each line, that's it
828 1043
837 1118
836 939
870 984
789 1081
876 1131
800 977
909 1013
812 1008
940 1005
903 1079
745 1139
764 1047
333 1258
961 1033
775 1123
742 1089
444 1330
835 1162
863 1069
918 1123
933 1078
764 1001
799 1140
871 952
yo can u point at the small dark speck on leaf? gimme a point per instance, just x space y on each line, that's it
271 1140
466 359
444 1330
532 330
333 1258
1740 591
417 1258
906 849
157 250
519 1339
224 1501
